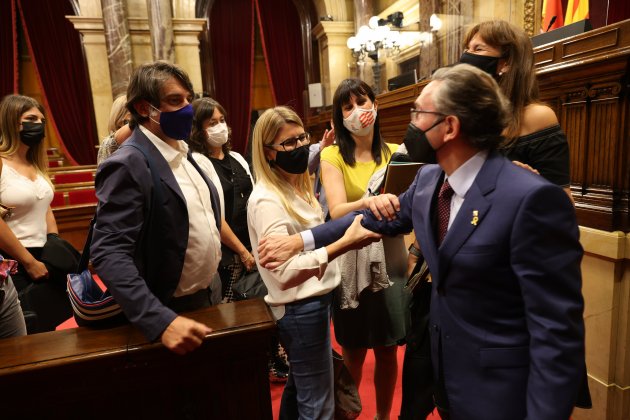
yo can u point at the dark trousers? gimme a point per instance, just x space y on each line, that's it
417 372
45 303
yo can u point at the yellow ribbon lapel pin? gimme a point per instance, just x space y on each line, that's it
475 218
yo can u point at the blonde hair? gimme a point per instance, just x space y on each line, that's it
117 113
265 132
11 109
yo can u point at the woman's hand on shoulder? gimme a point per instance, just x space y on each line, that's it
537 117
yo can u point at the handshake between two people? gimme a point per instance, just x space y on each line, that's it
275 250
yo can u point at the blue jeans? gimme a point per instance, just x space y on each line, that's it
11 318
305 334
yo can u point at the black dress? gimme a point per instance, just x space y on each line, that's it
237 187
546 150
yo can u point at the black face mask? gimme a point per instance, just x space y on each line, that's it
293 162
483 62
418 146
32 133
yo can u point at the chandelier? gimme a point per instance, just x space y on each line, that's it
377 35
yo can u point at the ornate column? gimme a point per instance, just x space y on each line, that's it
429 52
91 29
363 11
334 54
186 34
118 45
160 16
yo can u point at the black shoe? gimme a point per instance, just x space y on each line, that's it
278 371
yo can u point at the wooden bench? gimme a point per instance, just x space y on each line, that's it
87 373
74 194
64 169
68 177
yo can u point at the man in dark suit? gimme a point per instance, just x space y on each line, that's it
507 334
156 239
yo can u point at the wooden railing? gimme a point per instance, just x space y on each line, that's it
88 373
585 79
74 203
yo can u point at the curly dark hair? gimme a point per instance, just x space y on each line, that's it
203 110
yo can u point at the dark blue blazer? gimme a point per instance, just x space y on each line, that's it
137 250
506 301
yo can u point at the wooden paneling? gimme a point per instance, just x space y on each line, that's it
585 79
86 373
73 223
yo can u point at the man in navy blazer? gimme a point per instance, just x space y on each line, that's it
507 332
156 239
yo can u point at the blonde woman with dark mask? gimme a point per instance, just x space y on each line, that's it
300 290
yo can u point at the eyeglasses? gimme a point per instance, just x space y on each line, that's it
291 143
415 112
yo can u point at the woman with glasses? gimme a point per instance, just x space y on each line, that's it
380 320
533 137
300 290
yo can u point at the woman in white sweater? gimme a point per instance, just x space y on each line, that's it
299 291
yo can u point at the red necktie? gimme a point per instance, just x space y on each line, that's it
444 209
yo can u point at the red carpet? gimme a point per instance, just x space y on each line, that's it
366 390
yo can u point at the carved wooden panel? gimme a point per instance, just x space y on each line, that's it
587 76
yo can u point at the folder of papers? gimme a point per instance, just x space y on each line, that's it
399 176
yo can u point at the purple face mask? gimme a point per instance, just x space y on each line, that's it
177 124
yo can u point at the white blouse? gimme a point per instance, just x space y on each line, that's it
31 200
306 274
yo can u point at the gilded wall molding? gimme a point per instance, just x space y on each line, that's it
529 17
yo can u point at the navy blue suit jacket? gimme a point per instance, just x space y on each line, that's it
138 251
506 301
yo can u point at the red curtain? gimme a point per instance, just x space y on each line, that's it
232 43
281 36
8 49
56 50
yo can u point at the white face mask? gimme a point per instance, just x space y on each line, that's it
361 121
217 135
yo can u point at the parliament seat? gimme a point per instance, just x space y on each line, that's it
59 178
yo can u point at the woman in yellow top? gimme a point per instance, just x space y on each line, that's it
380 320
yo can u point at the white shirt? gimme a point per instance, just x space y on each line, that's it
462 179
304 275
31 200
208 168
203 251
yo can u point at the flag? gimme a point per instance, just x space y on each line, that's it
550 9
576 10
